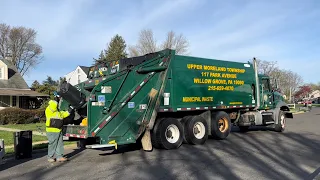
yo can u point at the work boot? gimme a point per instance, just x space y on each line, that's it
62 159
50 160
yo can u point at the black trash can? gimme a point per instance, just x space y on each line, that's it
22 144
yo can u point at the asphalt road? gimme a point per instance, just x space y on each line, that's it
258 154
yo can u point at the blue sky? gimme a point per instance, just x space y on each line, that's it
73 32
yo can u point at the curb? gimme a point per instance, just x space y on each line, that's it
11 156
298 112
315 175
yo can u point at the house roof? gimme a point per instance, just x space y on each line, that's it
21 92
85 69
15 80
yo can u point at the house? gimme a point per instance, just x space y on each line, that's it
315 96
14 91
79 75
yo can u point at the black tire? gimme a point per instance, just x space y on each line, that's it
280 126
220 132
183 121
196 135
174 134
154 142
244 128
81 144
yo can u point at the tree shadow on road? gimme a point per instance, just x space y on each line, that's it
269 155
12 162
273 155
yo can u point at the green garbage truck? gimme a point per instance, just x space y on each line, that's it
164 100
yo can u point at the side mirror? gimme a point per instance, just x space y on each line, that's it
284 97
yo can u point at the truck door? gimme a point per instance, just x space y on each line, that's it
267 98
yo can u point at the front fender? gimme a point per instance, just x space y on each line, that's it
282 106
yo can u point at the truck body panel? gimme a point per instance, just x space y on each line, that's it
122 104
199 83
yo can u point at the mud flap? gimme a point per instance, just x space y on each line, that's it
146 141
288 114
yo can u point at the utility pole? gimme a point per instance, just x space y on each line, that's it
290 94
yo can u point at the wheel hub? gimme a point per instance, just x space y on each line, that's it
223 124
172 133
169 133
199 130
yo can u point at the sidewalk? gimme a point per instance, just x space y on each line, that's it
15 130
34 143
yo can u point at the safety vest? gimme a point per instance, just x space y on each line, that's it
52 112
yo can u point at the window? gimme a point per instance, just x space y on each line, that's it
4 101
78 71
78 79
253 92
266 84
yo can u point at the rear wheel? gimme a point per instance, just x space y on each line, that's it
196 130
220 125
154 141
183 122
81 144
169 133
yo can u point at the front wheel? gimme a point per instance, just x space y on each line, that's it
169 133
220 125
280 126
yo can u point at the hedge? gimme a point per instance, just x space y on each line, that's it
21 116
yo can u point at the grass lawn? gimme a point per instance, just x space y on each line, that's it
8 138
39 127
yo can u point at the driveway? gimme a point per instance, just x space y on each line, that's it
258 154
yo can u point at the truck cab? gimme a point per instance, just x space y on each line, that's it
270 94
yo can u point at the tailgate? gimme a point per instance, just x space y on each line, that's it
75 131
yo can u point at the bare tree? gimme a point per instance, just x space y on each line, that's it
178 43
133 51
266 67
148 44
314 86
18 44
289 81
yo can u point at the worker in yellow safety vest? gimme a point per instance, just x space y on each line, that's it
54 124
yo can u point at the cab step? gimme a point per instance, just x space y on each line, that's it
267 118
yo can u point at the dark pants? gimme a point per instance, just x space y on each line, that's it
55 146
